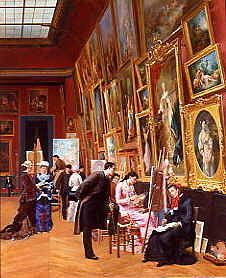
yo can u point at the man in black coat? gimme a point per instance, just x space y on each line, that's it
164 242
92 210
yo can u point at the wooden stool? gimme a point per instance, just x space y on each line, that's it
132 232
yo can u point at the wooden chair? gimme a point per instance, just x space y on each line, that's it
57 204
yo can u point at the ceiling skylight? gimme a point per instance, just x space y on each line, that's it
26 19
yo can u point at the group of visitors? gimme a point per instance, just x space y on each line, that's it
89 201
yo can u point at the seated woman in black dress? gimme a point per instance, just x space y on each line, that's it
165 241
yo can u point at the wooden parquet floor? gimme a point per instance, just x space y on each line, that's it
59 254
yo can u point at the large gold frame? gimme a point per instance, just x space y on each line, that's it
203 6
116 139
200 55
196 178
158 55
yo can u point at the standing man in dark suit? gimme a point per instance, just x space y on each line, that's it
92 210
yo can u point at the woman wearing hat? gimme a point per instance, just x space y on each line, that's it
43 206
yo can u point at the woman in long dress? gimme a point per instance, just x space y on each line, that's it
43 205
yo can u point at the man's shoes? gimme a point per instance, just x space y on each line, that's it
92 258
145 260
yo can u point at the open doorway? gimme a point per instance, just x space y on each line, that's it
33 127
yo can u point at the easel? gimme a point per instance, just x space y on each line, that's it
150 193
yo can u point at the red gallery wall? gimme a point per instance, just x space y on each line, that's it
54 109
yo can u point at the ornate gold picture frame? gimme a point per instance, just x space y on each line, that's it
145 128
204 144
205 73
111 146
167 99
198 29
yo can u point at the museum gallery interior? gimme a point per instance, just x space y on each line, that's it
139 83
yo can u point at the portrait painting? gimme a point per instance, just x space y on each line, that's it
8 102
112 99
111 147
6 127
68 150
5 157
145 143
167 96
84 69
108 39
70 124
99 116
142 99
128 108
122 165
86 112
206 143
95 56
140 73
163 17
204 73
38 101
198 29
127 42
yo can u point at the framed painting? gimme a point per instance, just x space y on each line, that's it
145 142
5 157
86 103
140 72
38 100
99 114
8 102
125 25
204 72
97 165
6 127
160 18
109 43
204 144
166 91
83 67
70 135
198 29
95 56
70 124
68 150
122 165
142 99
111 146
128 108
112 100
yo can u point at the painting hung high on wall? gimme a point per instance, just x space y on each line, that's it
162 17
142 99
6 127
140 73
198 29
83 67
166 97
5 157
108 39
144 132
70 124
126 30
95 56
128 109
86 111
111 146
38 101
99 116
8 102
204 72
204 143
112 99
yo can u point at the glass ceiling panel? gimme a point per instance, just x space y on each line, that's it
24 18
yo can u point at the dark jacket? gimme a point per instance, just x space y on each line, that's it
93 202
184 214
29 188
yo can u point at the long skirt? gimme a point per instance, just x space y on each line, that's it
43 216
